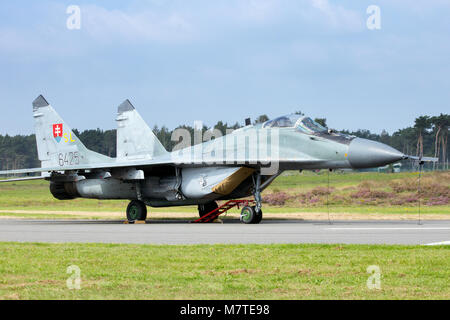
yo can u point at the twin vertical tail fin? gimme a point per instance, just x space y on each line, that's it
135 140
57 145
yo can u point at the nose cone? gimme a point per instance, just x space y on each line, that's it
363 153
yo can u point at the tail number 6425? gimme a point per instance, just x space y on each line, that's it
68 159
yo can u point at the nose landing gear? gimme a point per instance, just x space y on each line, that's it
253 214
249 215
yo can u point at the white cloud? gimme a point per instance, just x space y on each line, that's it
105 25
48 36
257 10
12 41
163 22
23 44
338 16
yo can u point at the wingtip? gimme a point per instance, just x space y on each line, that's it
39 102
125 106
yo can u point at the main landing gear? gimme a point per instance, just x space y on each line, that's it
204 209
136 211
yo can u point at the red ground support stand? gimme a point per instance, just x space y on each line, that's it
211 216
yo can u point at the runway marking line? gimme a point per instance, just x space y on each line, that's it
447 243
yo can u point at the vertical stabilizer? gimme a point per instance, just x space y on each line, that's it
57 145
135 140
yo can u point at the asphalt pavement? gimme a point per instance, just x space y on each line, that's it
230 232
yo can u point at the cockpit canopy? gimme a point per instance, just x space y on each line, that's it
302 123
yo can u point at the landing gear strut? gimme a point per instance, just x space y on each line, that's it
257 192
254 215
136 211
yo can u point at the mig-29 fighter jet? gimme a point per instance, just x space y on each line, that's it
238 165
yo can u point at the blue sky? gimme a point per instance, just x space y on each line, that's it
180 61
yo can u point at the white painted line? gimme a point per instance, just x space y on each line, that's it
392 228
447 243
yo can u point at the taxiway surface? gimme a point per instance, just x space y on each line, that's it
230 232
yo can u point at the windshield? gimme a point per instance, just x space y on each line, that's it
309 125
283 122
297 121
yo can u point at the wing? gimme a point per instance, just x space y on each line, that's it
106 165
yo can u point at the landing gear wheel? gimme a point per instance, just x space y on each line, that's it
136 210
206 208
250 216
259 215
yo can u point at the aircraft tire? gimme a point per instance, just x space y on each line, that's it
259 216
249 215
206 208
136 211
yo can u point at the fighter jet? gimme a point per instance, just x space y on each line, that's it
238 165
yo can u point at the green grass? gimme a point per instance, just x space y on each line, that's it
35 195
360 192
38 271
308 179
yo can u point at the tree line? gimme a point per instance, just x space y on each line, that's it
428 136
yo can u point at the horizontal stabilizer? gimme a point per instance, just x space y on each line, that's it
22 179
